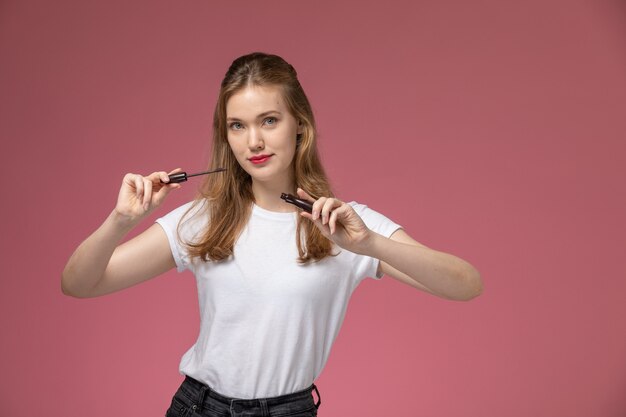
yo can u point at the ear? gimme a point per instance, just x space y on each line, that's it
300 127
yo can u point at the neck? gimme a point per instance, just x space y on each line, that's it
267 195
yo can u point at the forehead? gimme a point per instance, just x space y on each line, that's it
254 100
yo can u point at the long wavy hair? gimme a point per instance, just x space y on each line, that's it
226 198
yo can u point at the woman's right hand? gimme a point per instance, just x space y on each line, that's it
140 195
101 265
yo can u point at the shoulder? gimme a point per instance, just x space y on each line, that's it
364 211
358 207
180 210
190 215
375 220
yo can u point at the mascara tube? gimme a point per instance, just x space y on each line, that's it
298 202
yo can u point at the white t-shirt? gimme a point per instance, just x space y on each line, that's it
267 323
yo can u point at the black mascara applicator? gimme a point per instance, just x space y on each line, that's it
183 176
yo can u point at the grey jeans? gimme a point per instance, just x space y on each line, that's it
195 399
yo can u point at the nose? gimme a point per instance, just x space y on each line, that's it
255 139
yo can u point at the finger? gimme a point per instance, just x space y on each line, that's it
328 204
160 195
317 207
328 207
304 195
147 194
138 187
161 177
166 179
158 176
174 186
332 222
129 179
318 223
338 216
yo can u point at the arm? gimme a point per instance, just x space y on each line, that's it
100 265
438 273
401 257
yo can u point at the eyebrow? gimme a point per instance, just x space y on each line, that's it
259 116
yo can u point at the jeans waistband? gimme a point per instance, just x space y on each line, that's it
196 388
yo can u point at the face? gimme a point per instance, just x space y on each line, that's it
262 134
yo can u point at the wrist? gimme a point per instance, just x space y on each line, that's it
368 246
122 222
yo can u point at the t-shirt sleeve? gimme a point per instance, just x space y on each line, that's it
177 236
366 265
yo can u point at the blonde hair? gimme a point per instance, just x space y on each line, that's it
228 195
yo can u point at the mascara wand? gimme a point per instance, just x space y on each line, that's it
183 176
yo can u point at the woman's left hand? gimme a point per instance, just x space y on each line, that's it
338 222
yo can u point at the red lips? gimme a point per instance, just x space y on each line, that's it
259 157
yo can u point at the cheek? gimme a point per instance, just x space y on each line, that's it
288 137
234 148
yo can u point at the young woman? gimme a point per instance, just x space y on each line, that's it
273 281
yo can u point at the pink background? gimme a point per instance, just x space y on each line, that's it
490 129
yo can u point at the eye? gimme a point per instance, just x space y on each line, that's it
270 121
235 126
